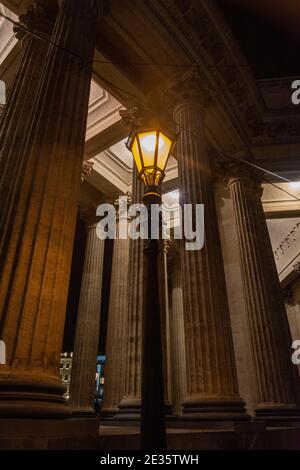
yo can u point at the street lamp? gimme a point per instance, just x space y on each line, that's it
151 148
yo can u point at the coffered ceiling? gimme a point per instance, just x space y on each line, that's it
7 37
105 145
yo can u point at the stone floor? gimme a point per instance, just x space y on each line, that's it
281 438
80 434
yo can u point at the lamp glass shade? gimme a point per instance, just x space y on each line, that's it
151 150
137 155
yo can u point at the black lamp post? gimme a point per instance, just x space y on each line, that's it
151 148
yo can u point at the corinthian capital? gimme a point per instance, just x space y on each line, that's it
39 18
1 109
239 168
190 86
168 245
86 170
121 205
296 268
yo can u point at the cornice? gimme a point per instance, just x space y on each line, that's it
7 36
103 111
288 242
221 63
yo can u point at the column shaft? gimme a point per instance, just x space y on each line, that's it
18 113
36 257
165 323
82 388
268 325
178 341
212 390
117 330
130 405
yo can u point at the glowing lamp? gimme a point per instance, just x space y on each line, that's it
151 149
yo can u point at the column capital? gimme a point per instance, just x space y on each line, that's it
168 245
88 215
126 199
296 268
86 170
39 18
237 170
190 89
287 296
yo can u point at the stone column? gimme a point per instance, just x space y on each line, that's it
165 323
130 405
82 387
177 338
269 331
212 389
18 112
36 245
117 328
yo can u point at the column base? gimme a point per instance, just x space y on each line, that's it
84 413
108 413
214 410
129 410
277 413
49 434
32 398
169 409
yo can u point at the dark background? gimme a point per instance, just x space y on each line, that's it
271 44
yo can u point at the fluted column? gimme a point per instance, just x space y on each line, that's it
18 112
165 322
36 244
117 328
212 390
130 405
270 337
177 339
82 387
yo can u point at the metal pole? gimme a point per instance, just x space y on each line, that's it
153 432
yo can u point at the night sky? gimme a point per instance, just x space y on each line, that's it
271 47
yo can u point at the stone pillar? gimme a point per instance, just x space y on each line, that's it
212 389
36 245
18 112
269 331
117 328
177 338
130 405
83 385
165 323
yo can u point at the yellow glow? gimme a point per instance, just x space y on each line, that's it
136 155
148 145
164 151
150 166
148 142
